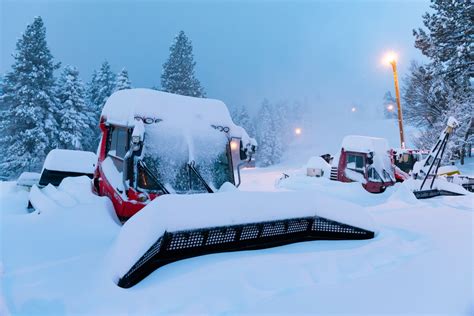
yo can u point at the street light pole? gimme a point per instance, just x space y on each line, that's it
393 62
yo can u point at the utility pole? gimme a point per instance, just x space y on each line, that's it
391 58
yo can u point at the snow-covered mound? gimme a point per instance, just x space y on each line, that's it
56 263
353 192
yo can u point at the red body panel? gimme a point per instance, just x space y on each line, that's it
370 186
126 204
124 207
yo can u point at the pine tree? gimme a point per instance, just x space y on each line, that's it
122 82
100 87
442 87
422 107
449 41
389 106
178 71
241 117
2 103
268 137
73 116
28 125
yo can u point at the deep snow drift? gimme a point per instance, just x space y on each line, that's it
59 261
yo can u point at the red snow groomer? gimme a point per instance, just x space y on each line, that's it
170 165
366 160
174 158
155 143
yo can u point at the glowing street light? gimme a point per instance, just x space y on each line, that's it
391 58
390 107
353 109
298 131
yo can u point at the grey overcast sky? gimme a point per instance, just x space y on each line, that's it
325 53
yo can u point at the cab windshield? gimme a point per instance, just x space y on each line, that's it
184 161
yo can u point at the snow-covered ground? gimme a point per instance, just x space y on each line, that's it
59 261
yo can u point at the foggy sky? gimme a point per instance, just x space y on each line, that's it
324 53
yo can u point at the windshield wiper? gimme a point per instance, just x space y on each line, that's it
158 183
192 167
386 174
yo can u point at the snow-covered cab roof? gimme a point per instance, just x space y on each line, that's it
364 144
152 106
66 160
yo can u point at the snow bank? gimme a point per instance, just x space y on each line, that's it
70 161
70 193
185 212
403 194
422 248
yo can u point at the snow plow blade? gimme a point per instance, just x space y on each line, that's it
173 243
426 194
174 246
439 187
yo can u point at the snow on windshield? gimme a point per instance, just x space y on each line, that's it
380 168
169 149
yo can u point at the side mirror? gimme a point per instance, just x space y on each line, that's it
243 154
370 158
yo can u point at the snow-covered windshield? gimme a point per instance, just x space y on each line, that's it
381 170
168 150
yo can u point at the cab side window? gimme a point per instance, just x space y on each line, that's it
118 146
355 163
119 142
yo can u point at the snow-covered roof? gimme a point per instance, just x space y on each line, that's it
70 161
364 144
177 111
